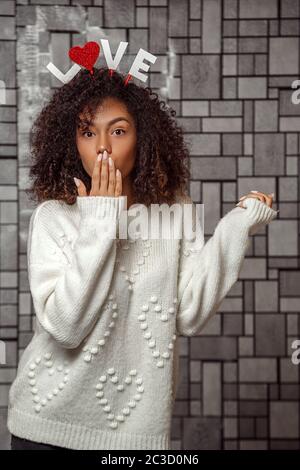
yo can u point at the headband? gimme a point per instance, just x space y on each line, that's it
87 55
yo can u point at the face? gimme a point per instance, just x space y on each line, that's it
113 129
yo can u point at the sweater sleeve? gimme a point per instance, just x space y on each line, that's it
68 297
207 271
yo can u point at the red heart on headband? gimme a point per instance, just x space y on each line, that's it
86 55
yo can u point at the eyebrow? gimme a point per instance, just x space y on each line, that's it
89 122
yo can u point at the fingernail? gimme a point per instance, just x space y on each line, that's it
105 155
254 191
99 157
110 161
272 194
77 182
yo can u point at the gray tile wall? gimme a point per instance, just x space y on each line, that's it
227 68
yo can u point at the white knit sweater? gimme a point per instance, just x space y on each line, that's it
101 369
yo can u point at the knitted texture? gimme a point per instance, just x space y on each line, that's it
101 371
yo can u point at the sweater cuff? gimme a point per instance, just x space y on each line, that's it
258 212
101 206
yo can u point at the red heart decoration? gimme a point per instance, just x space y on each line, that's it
86 55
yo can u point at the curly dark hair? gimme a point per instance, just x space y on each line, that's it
161 170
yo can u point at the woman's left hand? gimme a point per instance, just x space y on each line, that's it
266 198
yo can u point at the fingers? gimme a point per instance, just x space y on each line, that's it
251 194
261 196
114 179
265 198
96 176
104 175
81 189
106 179
118 188
111 177
268 198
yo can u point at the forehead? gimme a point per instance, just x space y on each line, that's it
109 108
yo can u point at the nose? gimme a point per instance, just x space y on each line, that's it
103 150
103 144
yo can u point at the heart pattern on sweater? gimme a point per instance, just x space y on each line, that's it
92 351
62 369
115 418
148 335
130 277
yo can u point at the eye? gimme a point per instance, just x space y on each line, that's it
120 130
86 132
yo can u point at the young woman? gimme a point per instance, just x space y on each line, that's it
101 369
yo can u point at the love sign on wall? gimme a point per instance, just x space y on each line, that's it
87 56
